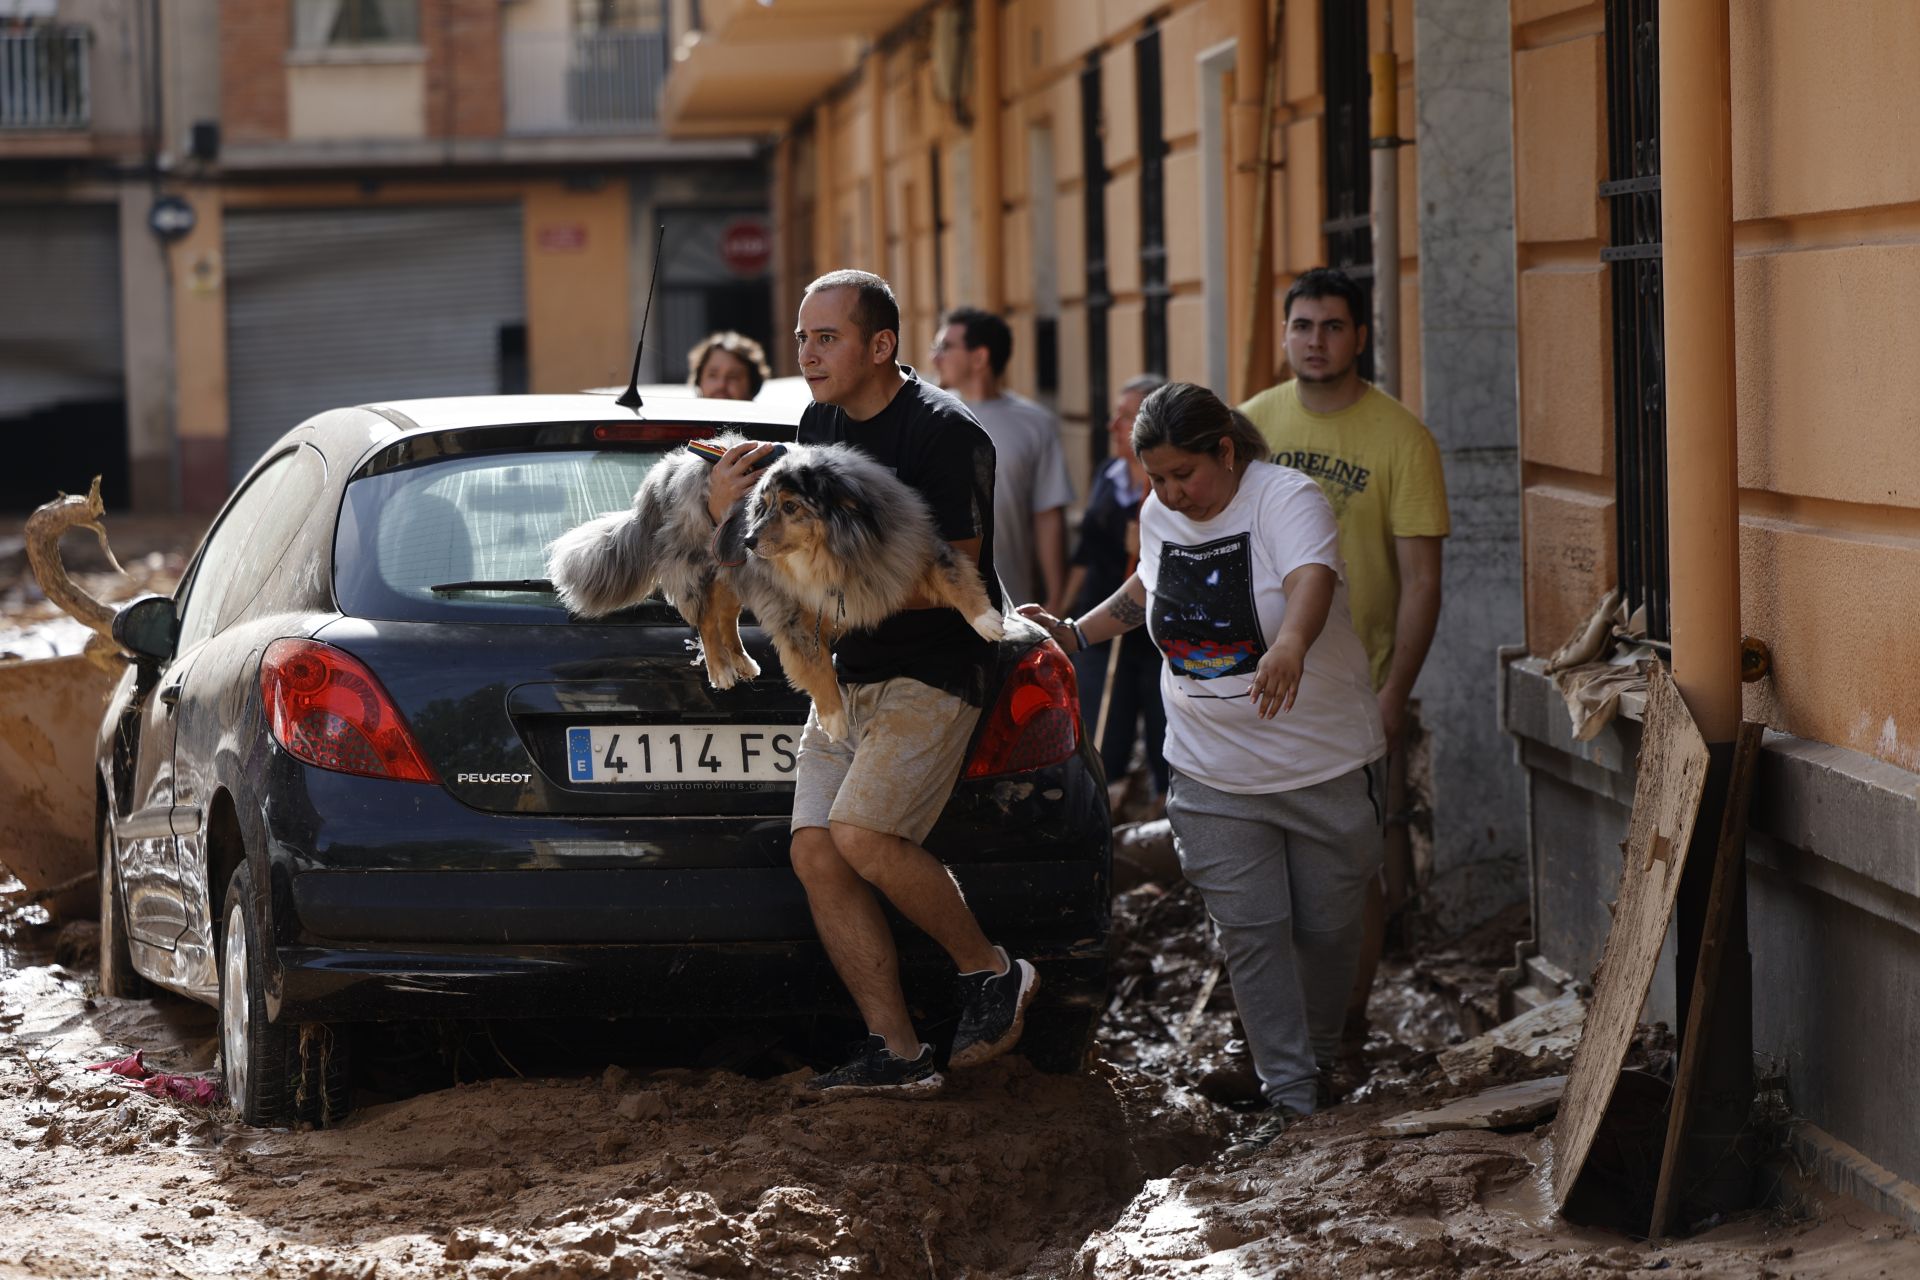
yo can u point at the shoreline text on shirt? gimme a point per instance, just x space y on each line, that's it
1380 469
1215 604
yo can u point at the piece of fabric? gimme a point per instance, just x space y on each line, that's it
1030 476
897 765
927 437
1284 877
202 1091
1380 469
1216 603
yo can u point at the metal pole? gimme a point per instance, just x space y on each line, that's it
1385 154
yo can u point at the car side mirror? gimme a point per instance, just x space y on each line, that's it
147 629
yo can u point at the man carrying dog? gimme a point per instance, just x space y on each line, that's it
913 685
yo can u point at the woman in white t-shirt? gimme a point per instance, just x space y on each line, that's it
1273 730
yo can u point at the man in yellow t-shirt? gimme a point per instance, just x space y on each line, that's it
1380 469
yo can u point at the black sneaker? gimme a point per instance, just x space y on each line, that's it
1262 1135
993 1011
878 1070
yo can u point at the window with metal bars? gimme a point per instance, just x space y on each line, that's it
1093 204
1349 178
1632 191
1153 197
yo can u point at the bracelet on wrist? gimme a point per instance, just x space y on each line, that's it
1079 636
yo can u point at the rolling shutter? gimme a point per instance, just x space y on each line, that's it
330 307
60 327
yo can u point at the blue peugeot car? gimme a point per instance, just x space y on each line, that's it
364 767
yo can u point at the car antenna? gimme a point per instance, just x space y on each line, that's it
631 398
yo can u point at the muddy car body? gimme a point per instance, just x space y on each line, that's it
366 768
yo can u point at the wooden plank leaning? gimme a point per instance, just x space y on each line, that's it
1666 801
1730 851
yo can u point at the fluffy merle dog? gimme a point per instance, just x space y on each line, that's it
827 542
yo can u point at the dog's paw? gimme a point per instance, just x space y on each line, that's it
990 625
833 724
722 677
745 667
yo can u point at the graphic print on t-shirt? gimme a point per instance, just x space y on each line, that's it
1203 614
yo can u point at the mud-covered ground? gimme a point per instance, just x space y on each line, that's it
591 1167
543 1152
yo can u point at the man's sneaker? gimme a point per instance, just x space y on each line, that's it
877 1070
1262 1135
993 1011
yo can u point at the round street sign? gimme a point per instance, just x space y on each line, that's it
746 246
170 218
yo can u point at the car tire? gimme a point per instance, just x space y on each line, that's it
118 977
1059 1041
276 1074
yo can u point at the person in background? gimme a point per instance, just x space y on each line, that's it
1380 469
1273 731
1031 488
1103 558
727 366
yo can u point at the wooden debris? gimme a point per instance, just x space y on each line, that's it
1192 1019
44 529
1666 802
1553 1027
1728 886
1508 1106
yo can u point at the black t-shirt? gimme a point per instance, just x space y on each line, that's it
929 439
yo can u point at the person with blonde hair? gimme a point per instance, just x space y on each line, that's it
727 366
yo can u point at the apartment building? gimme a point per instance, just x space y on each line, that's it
252 210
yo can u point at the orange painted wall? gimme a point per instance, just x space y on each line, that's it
1044 45
578 312
1827 262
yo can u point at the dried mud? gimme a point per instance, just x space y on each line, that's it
609 1171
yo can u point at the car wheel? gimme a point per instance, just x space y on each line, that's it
118 977
276 1073
1059 1041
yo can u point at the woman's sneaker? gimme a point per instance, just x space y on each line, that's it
993 1011
877 1070
1261 1136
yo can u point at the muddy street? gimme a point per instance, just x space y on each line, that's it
591 1167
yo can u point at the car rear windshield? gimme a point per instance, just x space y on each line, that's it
465 538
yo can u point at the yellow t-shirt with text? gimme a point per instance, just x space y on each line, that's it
1380 469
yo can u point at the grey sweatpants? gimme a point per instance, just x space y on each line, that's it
1284 875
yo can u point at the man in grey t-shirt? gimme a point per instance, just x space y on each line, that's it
1031 487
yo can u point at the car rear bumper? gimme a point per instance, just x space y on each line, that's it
735 979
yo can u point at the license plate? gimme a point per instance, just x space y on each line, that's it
682 753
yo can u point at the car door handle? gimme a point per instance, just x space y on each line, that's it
170 695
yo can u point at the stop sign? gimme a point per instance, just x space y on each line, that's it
746 245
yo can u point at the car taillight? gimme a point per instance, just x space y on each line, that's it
1036 722
326 708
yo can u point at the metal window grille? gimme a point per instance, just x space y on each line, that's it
1153 198
1632 191
45 78
1093 204
1349 216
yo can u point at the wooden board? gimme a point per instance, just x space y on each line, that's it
1528 1102
1666 801
1729 881
1553 1027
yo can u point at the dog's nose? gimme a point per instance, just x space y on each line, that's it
752 541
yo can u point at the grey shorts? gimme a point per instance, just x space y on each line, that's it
894 771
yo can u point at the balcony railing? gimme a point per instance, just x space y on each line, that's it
605 82
44 78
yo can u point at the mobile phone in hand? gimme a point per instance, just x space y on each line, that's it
711 452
